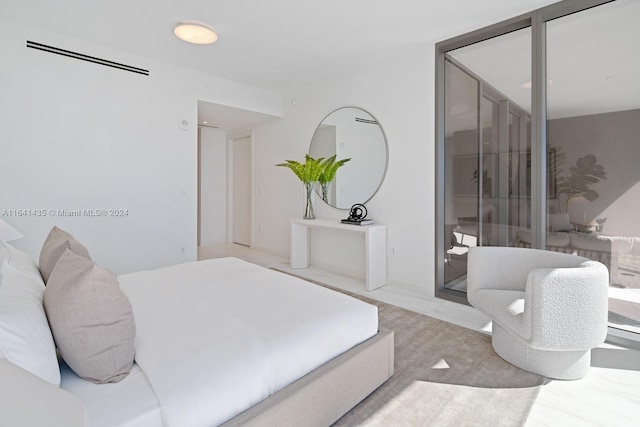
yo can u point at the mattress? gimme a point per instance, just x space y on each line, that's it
216 337
129 403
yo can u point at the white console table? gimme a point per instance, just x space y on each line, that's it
375 246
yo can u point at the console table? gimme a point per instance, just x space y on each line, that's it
375 242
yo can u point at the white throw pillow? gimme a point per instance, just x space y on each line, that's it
5 255
22 261
25 337
8 233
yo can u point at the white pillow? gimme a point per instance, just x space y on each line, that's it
8 233
22 261
5 255
25 337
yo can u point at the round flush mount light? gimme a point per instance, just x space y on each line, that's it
196 33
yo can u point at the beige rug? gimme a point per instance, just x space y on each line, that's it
445 375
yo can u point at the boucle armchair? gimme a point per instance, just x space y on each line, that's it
549 309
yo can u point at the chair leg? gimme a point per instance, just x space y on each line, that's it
562 365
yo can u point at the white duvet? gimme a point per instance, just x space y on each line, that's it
215 337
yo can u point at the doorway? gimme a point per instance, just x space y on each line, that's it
226 166
241 193
212 186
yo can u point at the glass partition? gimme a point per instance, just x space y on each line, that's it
485 130
547 107
593 110
461 157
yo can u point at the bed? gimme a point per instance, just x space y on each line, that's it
219 342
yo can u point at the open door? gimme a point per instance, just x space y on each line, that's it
242 159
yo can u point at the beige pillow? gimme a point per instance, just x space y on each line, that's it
559 239
91 319
54 245
591 242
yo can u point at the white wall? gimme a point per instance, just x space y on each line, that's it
213 186
400 94
76 135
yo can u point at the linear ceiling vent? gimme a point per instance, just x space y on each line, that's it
82 57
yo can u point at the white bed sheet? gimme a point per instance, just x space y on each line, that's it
215 337
129 403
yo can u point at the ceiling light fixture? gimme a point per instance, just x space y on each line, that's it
195 33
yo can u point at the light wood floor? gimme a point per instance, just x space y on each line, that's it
608 396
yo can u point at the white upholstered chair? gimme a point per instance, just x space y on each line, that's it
549 309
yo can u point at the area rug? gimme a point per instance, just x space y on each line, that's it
445 375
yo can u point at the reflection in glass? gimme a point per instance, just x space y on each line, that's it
486 130
353 133
461 160
592 134
594 125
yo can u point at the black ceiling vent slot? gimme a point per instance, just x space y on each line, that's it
83 57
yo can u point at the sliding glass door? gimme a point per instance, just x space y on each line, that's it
593 108
487 131
538 130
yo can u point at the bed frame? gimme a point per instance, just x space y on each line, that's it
318 399
324 395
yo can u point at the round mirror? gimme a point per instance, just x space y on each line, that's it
351 133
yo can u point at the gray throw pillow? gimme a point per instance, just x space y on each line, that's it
91 319
54 245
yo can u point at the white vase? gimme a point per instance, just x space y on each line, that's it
581 211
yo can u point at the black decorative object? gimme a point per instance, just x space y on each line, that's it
358 212
357 216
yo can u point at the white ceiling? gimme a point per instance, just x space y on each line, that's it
593 61
275 44
267 43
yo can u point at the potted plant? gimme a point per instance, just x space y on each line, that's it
576 187
309 173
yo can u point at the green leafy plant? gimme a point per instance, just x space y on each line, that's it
330 169
307 172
